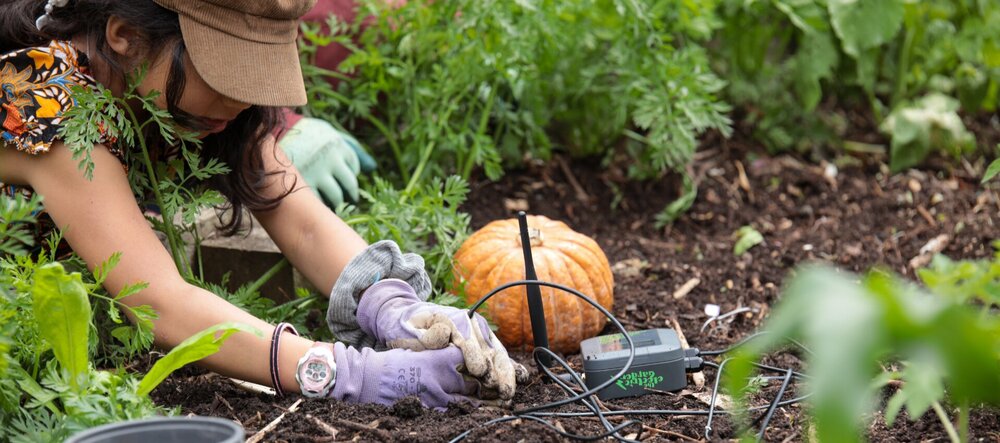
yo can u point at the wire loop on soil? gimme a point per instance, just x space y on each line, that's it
588 399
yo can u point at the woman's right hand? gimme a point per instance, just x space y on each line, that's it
367 376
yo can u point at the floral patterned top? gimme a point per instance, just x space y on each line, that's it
36 90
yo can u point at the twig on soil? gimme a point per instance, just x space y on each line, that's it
322 425
697 377
252 387
274 423
581 194
686 288
927 216
219 399
382 435
927 252
791 438
670 433
660 391
744 181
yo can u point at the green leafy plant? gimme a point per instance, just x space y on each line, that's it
194 348
931 124
174 184
62 312
17 216
782 57
446 87
948 350
746 238
992 170
55 389
427 221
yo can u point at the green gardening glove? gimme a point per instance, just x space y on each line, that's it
328 159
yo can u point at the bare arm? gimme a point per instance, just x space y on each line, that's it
100 217
317 242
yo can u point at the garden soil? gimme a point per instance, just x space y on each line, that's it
850 213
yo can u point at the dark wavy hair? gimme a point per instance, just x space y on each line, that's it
158 30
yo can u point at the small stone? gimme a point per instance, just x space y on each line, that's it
515 204
712 310
914 185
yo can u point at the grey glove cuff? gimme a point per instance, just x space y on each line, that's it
379 261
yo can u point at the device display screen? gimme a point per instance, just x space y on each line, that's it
618 343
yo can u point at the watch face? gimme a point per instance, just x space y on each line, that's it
316 372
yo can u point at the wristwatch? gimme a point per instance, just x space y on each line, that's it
317 371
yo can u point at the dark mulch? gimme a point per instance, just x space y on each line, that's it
856 218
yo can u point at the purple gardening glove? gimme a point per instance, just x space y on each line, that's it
368 376
391 312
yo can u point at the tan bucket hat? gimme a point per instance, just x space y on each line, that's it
245 49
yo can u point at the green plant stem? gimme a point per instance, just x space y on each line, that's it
903 66
197 254
424 158
397 152
483 120
946 422
357 220
165 213
256 285
963 421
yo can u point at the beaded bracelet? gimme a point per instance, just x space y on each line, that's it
275 339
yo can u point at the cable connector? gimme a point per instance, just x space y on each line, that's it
693 364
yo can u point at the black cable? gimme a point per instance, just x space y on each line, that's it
774 369
614 321
711 403
535 354
774 404
590 402
675 412
588 397
738 344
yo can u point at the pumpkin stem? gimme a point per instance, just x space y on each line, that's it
534 237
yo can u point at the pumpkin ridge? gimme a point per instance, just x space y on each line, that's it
556 269
512 296
592 249
582 281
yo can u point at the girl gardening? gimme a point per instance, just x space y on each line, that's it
225 67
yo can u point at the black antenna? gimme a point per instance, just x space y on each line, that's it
535 308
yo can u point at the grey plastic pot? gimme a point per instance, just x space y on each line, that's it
164 430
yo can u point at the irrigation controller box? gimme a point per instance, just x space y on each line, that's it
659 363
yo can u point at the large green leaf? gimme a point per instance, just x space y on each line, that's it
62 310
815 61
851 327
195 348
992 170
864 24
930 124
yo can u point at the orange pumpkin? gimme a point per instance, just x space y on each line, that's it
493 256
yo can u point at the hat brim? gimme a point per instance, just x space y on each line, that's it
264 74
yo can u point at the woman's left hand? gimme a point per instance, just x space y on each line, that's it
328 159
390 311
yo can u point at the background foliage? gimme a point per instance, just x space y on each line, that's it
783 58
440 88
